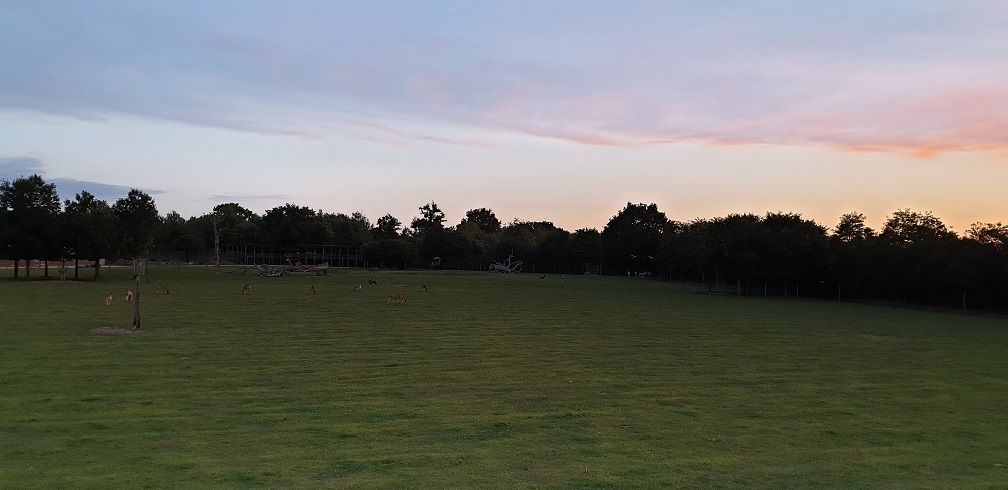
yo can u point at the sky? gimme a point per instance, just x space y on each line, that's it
561 110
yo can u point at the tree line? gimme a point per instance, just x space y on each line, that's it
914 257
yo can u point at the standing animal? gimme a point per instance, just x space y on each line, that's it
313 289
402 298
424 286
162 289
247 288
359 287
108 299
372 282
129 295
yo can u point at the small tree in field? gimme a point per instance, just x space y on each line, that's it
137 219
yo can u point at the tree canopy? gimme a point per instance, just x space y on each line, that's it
913 257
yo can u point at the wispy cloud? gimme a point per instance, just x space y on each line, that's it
896 77
15 167
239 198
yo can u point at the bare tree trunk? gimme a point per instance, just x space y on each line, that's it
76 268
97 267
46 272
16 263
27 268
136 304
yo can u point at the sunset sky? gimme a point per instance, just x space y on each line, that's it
557 110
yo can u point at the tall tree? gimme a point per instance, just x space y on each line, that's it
431 217
290 225
484 218
586 246
236 224
91 226
353 230
916 248
797 249
137 220
632 237
428 231
387 228
31 209
177 236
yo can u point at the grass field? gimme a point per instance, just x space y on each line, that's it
490 381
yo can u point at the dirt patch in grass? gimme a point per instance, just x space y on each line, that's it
881 338
133 331
115 331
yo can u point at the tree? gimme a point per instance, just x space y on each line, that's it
387 228
178 236
738 246
632 237
428 231
236 224
906 227
797 249
31 209
586 246
389 252
855 250
137 220
993 234
431 218
353 230
91 227
290 225
852 228
986 263
915 256
484 218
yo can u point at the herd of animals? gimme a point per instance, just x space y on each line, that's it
247 289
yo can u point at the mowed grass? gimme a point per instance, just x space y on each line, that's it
489 381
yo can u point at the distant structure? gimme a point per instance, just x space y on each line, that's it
255 254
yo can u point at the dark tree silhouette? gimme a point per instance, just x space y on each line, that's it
633 236
290 225
91 226
30 208
387 228
353 230
137 221
484 218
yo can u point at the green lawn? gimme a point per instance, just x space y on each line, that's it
489 381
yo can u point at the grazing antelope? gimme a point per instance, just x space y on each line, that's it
162 289
313 289
129 295
359 287
372 282
247 288
108 299
401 298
